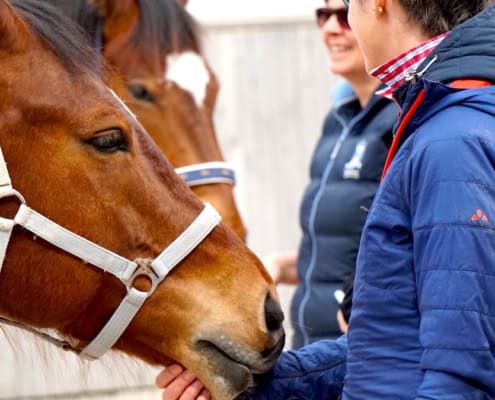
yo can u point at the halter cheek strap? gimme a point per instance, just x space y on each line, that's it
207 173
159 269
125 270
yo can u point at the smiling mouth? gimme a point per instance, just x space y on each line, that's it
339 49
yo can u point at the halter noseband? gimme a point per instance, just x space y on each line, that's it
125 270
207 173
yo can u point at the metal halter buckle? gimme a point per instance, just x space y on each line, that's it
143 269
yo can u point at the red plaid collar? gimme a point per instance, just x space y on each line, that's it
393 73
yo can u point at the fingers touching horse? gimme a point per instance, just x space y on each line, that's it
79 158
154 46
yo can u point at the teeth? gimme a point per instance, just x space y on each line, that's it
339 48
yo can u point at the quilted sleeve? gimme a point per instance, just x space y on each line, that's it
313 372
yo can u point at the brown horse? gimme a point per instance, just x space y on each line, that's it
154 46
80 158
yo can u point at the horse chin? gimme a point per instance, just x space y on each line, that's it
232 367
229 377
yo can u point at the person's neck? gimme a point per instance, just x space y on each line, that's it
364 87
406 37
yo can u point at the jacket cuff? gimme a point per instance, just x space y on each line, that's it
313 372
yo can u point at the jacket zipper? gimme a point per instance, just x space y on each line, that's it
314 208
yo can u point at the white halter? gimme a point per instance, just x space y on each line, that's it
127 271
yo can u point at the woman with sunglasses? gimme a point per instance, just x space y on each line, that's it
423 321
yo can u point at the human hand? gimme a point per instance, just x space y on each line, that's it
180 384
273 267
344 327
282 267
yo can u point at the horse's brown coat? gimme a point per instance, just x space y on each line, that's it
182 129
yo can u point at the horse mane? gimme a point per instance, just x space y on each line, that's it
167 26
164 25
59 34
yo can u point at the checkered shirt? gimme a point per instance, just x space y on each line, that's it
394 72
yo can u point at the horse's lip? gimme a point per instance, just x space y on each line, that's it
239 375
272 355
254 362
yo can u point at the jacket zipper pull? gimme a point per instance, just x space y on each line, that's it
413 76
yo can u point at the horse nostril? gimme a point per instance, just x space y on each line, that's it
273 314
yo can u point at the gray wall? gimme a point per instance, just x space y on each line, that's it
274 95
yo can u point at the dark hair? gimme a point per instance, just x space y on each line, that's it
438 16
59 34
86 15
164 25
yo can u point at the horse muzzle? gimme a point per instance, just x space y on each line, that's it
236 364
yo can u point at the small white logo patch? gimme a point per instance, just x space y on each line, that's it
188 70
352 169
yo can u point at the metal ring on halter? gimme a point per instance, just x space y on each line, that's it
143 269
19 196
7 224
8 191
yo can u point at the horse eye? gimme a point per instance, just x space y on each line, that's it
110 141
140 92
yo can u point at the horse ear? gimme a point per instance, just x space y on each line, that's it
11 27
120 16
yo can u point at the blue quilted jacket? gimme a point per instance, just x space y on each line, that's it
423 322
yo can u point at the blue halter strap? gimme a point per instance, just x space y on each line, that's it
207 173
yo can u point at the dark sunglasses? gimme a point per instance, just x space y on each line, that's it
323 15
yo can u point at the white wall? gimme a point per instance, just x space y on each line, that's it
218 10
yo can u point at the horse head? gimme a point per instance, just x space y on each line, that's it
155 49
80 158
